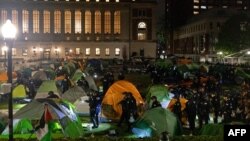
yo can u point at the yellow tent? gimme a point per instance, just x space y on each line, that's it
110 107
19 91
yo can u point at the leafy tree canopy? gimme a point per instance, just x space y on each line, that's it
235 34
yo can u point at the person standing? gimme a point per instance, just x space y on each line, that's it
191 114
129 109
94 107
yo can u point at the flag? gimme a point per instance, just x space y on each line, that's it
43 131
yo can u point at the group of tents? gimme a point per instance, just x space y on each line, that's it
65 110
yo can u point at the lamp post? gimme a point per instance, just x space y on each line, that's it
5 48
9 34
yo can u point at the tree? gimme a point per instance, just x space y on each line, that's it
235 34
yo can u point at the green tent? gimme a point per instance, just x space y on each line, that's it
19 91
73 94
20 126
63 115
47 85
158 120
77 75
160 91
212 129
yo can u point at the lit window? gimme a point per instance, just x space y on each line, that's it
239 2
107 52
107 0
14 51
97 0
36 21
107 22
67 21
24 51
142 25
203 7
97 51
3 16
97 22
78 51
57 21
116 0
196 12
117 51
196 1
78 23
142 31
117 22
141 36
87 22
87 51
196 7
25 17
15 17
46 17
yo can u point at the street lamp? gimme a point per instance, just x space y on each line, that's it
9 34
4 49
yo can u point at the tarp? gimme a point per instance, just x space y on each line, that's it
60 110
73 94
91 82
40 75
110 107
161 92
19 91
46 86
158 120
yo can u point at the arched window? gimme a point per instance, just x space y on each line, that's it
67 21
46 21
142 31
78 23
57 21
98 22
35 21
117 22
87 22
107 22
142 25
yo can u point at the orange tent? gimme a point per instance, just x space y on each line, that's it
4 76
110 107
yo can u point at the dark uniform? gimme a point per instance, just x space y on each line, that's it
94 107
203 111
129 109
191 113
177 109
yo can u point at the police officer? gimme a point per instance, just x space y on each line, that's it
203 110
129 108
215 101
191 113
94 106
177 108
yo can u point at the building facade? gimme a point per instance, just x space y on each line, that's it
196 33
197 39
50 29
